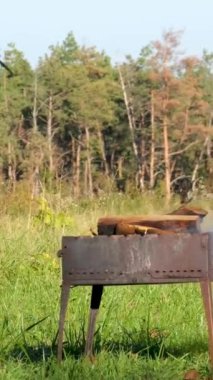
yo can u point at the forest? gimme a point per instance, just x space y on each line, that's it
79 124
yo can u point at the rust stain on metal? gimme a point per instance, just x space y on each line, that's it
119 259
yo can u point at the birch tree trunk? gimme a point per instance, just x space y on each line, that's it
131 122
78 166
35 170
85 177
50 133
103 153
209 154
10 170
197 165
142 167
35 110
152 148
89 164
76 156
166 158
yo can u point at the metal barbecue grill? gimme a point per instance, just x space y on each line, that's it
134 259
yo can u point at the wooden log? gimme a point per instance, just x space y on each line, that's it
176 223
131 229
187 210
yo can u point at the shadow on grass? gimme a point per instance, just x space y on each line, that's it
31 354
151 347
154 348
43 353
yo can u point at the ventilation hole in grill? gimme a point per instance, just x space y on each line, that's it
173 271
121 273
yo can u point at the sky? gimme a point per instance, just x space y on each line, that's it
118 27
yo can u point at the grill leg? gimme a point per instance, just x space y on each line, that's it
65 291
97 291
206 291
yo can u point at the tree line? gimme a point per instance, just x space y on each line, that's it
80 122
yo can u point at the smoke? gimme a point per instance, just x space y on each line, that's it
207 224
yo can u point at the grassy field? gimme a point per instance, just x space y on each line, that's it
143 332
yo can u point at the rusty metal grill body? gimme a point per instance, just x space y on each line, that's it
135 259
150 259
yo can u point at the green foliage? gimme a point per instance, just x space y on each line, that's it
46 216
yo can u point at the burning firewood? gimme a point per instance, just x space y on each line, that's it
152 224
184 219
131 229
186 210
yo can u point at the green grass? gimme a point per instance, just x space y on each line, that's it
143 332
